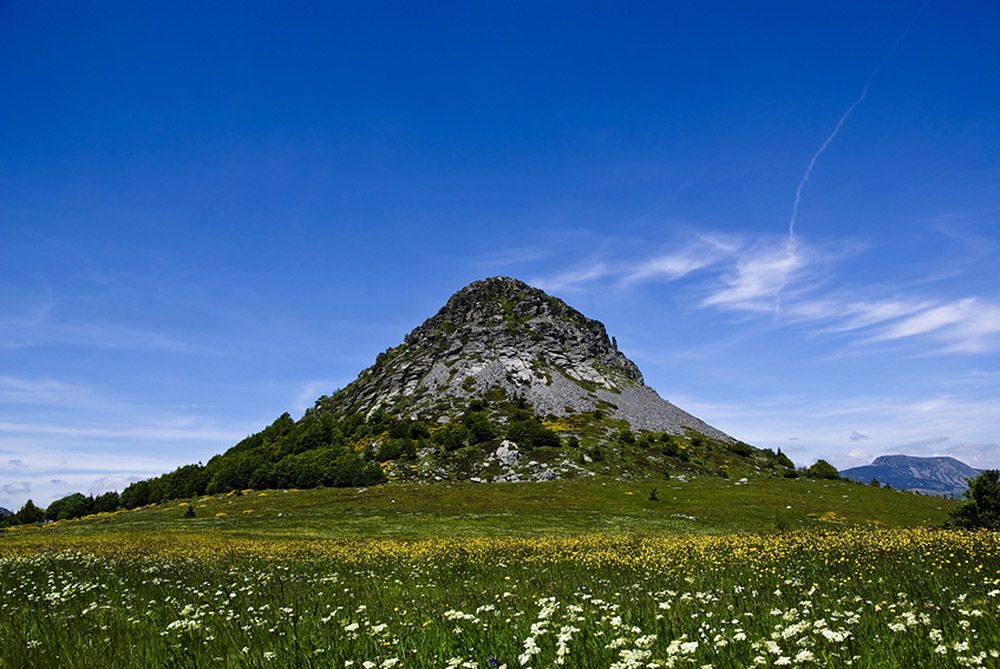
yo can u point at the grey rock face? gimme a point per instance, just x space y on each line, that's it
502 337
506 454
935 475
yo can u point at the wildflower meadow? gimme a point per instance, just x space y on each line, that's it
811 598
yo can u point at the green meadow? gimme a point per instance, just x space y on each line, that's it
580 573
557 508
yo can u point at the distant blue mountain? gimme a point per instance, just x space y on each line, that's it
5 512
931 476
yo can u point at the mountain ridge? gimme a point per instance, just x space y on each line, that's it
505 383
502 335
936 475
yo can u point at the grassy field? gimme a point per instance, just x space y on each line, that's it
556 508
573 573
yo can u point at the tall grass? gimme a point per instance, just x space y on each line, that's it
897 598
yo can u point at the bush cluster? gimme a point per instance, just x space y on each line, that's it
980 509
319 450
312 452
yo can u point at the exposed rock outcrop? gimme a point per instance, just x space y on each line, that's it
935 476
502 337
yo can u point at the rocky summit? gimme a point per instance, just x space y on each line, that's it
500 337
943 476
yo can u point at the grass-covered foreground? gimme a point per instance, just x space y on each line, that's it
885 598
585 574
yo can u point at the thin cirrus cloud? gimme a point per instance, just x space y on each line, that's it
758 278
966 325
698 254
105 336
156 432
16 488
36 322
43 391
793 287
578 278
852 431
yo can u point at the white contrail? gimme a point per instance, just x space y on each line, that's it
833 134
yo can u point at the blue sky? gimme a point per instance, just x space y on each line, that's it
211 213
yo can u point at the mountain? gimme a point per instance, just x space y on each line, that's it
4 513
500 336
504 383
933 476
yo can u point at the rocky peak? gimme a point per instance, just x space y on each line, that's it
937 475
526 329
500 337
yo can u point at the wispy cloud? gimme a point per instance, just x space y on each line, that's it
850 315
678 260
32 318
175 431
16 488
575 278
53 467
19 334
757 279
41 391
921 425
747 276
967 325
700 253
110 482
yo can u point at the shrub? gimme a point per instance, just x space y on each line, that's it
452 437
783 460
30 513
71 506
669 447
645 441
135 494
530 433
393 449
742 449
478 426
822 469
399 430
980 509
418 430
107 502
